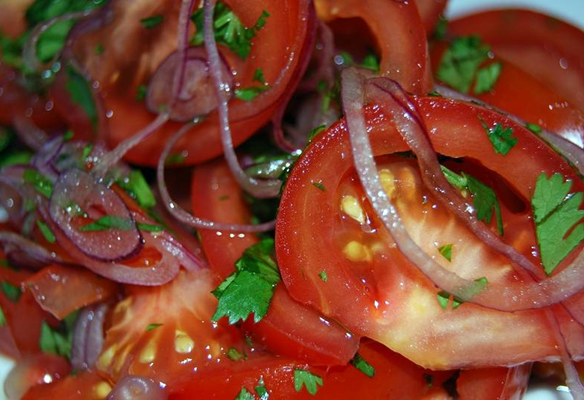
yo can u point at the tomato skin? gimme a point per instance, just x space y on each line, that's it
430 12
373 303
35 370
289 328
290 21
61 290
546 47
395 377
83 386
401 41
493 383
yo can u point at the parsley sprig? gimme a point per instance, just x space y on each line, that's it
557 216
229 30
251 287
307 379
501 137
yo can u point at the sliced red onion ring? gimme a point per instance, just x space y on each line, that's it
325 54
25 252
133 387
29 57
88 337
196 95
44 159
519 296
257 188
75 191
182 215
28 132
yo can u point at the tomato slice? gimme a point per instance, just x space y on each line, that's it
493 383
83 386
290 329
35 370
544 46
395 377
371 288
166 333
61 290
400 38
129 60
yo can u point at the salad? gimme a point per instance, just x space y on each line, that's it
282 200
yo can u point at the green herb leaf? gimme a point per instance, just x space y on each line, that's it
46 231
108 222
362 365
58 341
99 49
258 76
556 212
15 158
323 276
371 62
229 30
137 187
261 390
313 133
175 159
149 227
251 92
446 251
533 128
319 186
461 61
152 21
244 395
81 94
443 296
3 321
11 291
487 78
501 138
153 326
68 135
235 355
86 151
485 201
440 29
141 92
250 289
308 380
41 183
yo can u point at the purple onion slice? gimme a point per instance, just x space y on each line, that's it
88 337
133 387
196 94
93 217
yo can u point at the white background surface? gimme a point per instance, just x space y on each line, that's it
569 10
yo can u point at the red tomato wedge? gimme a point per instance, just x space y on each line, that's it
399 34
371 288
550 49
61 290
132 54
166 333
84 386
289 328
493 383
395 378
430 12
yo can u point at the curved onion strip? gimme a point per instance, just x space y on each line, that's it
14 242
519 296
152 275
325 52
29 57
182 215
28 132
114 156
76 188
257 188
44 159
186 9
133 387
88 337
562 146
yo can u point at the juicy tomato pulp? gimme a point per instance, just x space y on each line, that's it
290 329
371 288
129 60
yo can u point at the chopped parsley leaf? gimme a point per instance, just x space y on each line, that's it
308 380
229 30
15 158
556 212
460 62
58 341
487 77
136 186
153 326
323 276
261 390
501 138
258 76
41 183
434 93
152 21
235 355
319 186
251 287
446 251
440 29
2 318
68 135
244 395
251 92
141 92
371 62
484 198
46 231
444 297
533 128
81 94
362 365
313 133
11 291
86 151
108 222
175 159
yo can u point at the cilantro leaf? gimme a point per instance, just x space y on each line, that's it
487 77
443 296
261 390
235 355
11 291
446 251
108 222
3 321
46 231
556 213
136 186
362 365
153 326
251 92
152 21
251 287
501 138
535 128
81 93
323 276
244 395
308 380
461 61
58 341
41 183
319 186
229 30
